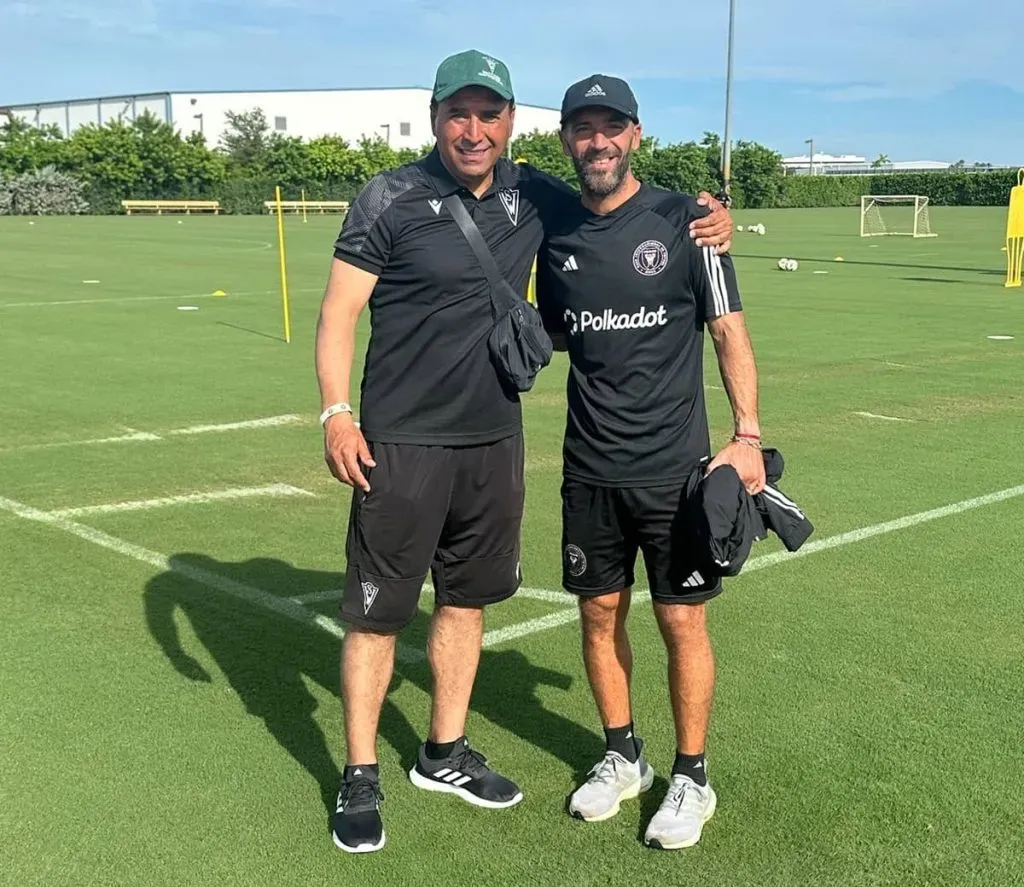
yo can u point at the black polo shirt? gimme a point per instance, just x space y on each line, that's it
631 292
428 376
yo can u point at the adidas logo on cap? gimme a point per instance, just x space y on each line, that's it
594 90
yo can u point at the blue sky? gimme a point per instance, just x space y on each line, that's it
915 79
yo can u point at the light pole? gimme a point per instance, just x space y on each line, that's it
726 140
811 143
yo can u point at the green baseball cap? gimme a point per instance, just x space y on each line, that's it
472 68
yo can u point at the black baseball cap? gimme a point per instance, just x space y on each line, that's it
600 91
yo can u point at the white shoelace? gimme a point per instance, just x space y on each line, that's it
606 771
678 791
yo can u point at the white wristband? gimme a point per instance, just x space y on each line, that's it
333 410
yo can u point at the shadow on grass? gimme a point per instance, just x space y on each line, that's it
267 658
246 329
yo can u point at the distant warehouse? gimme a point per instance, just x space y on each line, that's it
400 116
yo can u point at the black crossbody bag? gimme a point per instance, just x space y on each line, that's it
519 345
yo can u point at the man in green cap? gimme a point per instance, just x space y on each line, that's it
436 459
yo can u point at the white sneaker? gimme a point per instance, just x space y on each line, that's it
612 780
681 816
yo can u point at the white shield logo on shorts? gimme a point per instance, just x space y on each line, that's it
369 596
576 560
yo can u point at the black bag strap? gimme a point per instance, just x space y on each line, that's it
476 241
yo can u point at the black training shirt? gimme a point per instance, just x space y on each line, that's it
631 292
428 378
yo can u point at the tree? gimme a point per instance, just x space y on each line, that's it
288 162
25 147
681 167
758 174
544 151
245 140
880 161
712 145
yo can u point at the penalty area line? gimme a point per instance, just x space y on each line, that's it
553 620
249 594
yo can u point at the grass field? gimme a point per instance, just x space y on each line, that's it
169 707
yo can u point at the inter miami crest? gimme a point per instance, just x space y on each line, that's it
575 561
510 200
650 258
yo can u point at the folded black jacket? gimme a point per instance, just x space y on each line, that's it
725 520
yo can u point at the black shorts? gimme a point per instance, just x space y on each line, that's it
455 512
604 527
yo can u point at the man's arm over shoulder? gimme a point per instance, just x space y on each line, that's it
703 219
712 273
552 196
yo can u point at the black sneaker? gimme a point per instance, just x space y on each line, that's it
357 823
465 773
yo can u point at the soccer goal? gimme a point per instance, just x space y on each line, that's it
905 214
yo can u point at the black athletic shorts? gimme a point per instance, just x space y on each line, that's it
455 512
604 527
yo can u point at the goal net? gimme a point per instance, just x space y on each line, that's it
905 214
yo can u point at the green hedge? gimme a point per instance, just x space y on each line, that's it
148 159
957 188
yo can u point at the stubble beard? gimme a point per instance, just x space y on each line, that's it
601 184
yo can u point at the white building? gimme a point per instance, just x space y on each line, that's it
852 164
400 116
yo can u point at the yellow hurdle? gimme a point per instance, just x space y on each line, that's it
1015 233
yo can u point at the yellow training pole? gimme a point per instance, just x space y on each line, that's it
303 206
284 267
1015 233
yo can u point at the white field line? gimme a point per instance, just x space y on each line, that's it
564 617
294 610
268 422
108 300
113 299
316 597
134 437
149 436
543 594
247 593
184 499
537 594
883 418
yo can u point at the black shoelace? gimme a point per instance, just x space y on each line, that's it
361 795
471 762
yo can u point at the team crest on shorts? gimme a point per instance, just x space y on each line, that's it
650 258
575 561
369 596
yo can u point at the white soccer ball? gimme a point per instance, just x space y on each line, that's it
783 264
760 230
739 227
793 265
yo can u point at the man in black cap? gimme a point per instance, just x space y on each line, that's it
630 293
436 460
